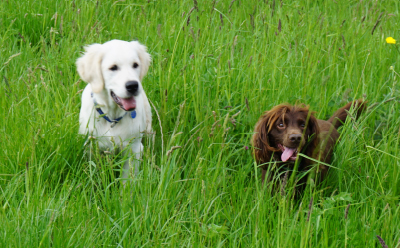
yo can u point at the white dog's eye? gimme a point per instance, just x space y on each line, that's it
113 68
135 65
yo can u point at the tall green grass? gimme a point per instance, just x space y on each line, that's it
217 65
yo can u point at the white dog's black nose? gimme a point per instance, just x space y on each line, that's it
132 87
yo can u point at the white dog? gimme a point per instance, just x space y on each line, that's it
115 108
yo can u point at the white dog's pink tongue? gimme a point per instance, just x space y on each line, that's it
128 103
287 153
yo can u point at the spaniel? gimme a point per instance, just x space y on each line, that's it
285 131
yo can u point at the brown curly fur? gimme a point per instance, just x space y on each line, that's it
318 137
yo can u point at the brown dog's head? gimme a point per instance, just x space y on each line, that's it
284 131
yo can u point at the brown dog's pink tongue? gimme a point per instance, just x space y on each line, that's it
287 153
128 103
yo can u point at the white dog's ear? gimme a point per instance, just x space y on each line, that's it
89 67
144 56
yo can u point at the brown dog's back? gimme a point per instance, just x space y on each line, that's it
339 117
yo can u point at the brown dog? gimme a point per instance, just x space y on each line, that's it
285 130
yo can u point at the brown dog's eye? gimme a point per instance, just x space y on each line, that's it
113 68
135 65
280 125
302 125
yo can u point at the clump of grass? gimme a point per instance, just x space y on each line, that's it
217 65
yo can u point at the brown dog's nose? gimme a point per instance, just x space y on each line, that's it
295 138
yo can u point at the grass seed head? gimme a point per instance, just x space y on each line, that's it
172 149
214 115
195 5
230 6
346 212
250 60
382 242
309 209
213 5
279 26
285 178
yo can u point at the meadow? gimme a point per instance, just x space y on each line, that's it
217 66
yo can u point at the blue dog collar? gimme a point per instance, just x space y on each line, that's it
133 114
115 121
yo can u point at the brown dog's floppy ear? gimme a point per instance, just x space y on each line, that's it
260 141
313 130
144 57
262 149
89 67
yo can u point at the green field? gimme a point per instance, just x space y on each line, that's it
217 65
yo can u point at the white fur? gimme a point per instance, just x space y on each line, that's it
94 68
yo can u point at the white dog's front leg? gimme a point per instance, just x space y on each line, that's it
134 157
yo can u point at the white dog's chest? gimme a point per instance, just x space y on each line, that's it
127 130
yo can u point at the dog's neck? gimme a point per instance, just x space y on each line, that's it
107 105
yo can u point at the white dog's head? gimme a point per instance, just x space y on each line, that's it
116 67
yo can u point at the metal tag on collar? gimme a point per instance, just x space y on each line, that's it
113 124
133 114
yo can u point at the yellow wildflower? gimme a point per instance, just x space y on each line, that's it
390 40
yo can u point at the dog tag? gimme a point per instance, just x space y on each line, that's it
133 114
